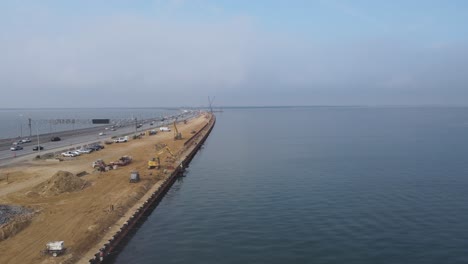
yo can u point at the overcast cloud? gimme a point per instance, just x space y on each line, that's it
130 60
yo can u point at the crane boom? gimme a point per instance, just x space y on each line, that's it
177 134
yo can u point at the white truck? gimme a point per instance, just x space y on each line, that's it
121 139
69 154
164 129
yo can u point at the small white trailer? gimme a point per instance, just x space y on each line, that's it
164 129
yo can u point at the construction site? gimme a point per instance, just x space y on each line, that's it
77 209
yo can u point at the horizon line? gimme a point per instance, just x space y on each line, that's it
236 106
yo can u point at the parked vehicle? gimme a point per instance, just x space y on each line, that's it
152 132
15 148
85 150
164 129
26 140
121 139
69 154
19 142
55 139
36 148
81 150
102 134
96 147
88 150
77 153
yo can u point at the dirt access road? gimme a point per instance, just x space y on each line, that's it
83 216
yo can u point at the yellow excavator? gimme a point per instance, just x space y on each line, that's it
177 134
156 162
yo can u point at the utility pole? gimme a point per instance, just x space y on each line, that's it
30 130
136 125
37 134
21 124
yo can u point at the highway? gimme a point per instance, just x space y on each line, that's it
70 139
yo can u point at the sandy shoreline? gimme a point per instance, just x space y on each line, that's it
86 218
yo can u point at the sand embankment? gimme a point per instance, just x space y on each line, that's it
82 210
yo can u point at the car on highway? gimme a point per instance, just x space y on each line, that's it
36 148
15 148
19 142
102 134
55 139
69 154
26 140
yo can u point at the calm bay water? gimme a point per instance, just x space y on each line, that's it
318 185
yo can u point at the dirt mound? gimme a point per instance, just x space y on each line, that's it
62 181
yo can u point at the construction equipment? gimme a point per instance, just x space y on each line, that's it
177 134
156 162
134 177
54 248
124 160
100 165
170 152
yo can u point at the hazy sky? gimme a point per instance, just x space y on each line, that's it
173 53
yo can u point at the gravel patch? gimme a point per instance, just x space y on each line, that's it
9 212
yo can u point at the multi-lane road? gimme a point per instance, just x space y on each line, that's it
71 139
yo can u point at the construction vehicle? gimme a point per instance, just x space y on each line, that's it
177 134
134 177
54 248
99 164
156 162
124 160
170 152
